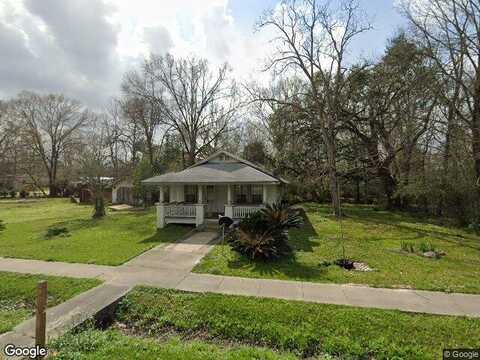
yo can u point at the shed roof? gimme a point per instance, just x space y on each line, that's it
232 170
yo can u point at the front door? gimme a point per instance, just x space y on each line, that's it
216 200
211 205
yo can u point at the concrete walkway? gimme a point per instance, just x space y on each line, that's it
56 268
166 264
362 296
169 266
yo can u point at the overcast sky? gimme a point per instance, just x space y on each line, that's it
82 47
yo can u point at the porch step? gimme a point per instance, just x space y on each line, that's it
211 224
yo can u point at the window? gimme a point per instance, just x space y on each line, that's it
257 194
248 194
191 194
166 194
241 193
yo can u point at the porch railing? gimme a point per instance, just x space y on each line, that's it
243 211
184 211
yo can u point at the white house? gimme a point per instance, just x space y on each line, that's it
122 192
223 184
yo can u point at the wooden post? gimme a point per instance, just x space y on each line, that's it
41 316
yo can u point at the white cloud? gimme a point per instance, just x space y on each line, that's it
83 47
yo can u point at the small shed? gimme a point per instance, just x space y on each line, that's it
122 192
85 193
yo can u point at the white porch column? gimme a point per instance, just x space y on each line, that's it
229 195
160 215
199 208
162 195
229 204
114 195
229 211
200 194
265 194
199 214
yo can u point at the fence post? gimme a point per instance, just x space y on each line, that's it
40 315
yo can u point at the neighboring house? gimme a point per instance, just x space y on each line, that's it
223 184
85 193
122 193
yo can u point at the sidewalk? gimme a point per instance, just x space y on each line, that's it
169 266
55 268
419 301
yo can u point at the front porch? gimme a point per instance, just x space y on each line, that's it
221 185
198 203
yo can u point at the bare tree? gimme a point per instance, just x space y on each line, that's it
451 29
3 124
125 141
51 123
94 161
312 39
144 114
121 154
194 101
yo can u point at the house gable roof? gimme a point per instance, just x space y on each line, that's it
219 168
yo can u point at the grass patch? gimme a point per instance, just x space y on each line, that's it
37 230
305 329
373 237
111 344
18 291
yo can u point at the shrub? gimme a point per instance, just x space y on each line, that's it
282 216
264 234
407 247
56 231
325 263
2 225
23 194
426 247
475 226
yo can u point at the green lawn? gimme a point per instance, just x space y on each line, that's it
18 291
290 327
373 237
98 345
109 241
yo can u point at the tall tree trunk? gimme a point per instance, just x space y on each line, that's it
357 190
406 168
329 138
99 204
190 159
476 148
389 185
443 201
476 131
52 186
382 169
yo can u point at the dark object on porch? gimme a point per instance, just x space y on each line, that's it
225 221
